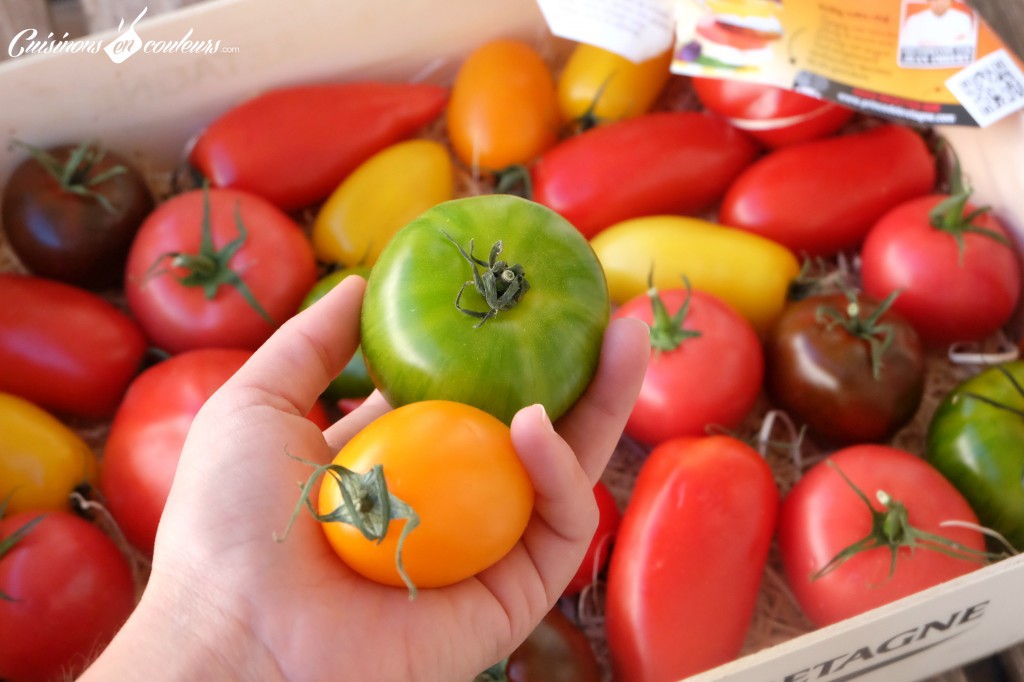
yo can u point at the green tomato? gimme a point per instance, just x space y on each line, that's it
354 381
428 333
976 439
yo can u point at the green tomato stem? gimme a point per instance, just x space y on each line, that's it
667 332
879 337
502 286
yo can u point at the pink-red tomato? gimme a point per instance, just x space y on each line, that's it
183 272
712 377
68 589
948 291
823 514
600 546
777 117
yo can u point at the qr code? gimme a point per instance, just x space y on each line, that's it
989 89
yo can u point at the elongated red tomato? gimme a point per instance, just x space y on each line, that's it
660 163
294 145
688 559
64 348
601 544
822 197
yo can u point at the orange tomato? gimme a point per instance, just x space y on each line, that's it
455 466
503 108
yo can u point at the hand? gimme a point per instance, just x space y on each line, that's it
226 601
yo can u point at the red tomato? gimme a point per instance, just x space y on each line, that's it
687 564
293 146
148 432
664 162
64 348
822 197
69 590
948 292
705 369
777 117
183 271
601 545
823 515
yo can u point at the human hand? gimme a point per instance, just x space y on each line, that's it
225 601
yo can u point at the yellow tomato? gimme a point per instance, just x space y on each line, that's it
749 272
378 198
41 459
503 109
455 466
602 86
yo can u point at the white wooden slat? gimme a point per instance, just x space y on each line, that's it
101 15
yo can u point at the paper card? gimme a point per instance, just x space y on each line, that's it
636 29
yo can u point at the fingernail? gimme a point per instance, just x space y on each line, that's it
544 416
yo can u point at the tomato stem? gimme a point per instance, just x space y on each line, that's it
667 332
496 673
510 178
589 119
8 543
879 337
76 174
501 285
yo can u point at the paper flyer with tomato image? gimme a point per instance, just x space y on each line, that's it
929 62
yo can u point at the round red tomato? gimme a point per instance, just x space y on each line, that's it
705 369
217 268
956 283
68 589
775 116
147 434
823 515
601 545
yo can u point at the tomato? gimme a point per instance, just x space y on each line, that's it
70 213
750 273
148 432
974 439
958 275
598 86
677 162
41 459
503 108
70 590
822 197
687 564
217 267
310 137
456 468
380 197
354 380
776 117
600 546
66 349
556 651
847 366
823 514
427 332
705 369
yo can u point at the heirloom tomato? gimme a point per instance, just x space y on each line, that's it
294 145
503 108
493 300
599 86
556 651
460 498
845 365
64 348
217 268
955 267
600 546
974 439
705 369
687 565
41 459
750 273
776 117
378 198
863 528
65 590
70 213
821 197
678 162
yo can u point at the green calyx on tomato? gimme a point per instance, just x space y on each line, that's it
878 336
209 268
891 528
367 505
7 543
76 176
667 332
501 285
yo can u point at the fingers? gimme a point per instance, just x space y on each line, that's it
342 430
594 424
309 350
